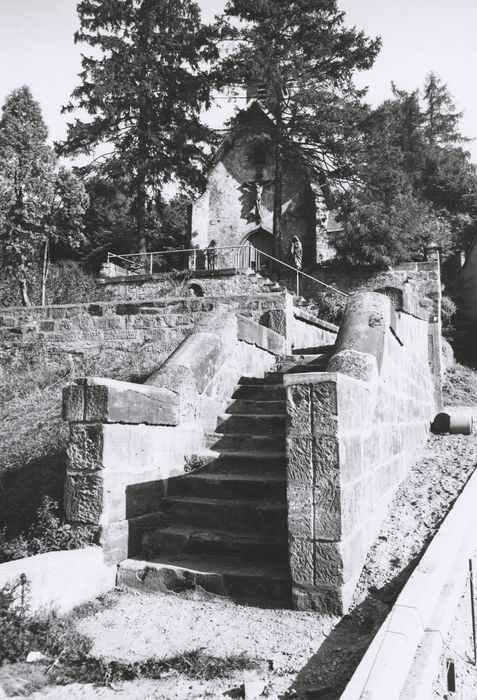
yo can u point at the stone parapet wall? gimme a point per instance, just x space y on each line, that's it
352 435
217 283
420 283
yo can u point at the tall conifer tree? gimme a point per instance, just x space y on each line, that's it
303 55
143 88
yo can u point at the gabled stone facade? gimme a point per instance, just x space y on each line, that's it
237 204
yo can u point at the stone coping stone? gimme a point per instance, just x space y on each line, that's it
262 337
314 320
62 580
98 400
393 668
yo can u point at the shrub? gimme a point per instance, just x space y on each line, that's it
47 533
329 306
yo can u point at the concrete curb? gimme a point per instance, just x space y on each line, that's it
406 651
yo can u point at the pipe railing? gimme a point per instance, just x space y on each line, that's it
242 256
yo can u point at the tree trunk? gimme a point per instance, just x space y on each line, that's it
24 292
44 271
278 194
141 212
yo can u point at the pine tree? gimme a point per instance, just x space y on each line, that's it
441 120
304 57
144 88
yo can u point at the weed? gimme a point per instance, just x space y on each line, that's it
68 652
47 533
194 463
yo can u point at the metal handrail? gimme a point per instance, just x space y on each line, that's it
150 256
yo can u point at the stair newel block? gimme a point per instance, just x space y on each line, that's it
321 456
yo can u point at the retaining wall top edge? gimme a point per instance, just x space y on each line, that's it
142 302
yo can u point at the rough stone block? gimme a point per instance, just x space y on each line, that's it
326 465
327 512
328 564
299 410
300 460
84 498
73 402
85 447
110 401
300 510
321 599
301 560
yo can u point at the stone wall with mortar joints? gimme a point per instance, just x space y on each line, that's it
351 440
153 326
135 288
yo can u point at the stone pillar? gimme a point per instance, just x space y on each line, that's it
326 416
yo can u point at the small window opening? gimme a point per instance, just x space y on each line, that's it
451 676
260 155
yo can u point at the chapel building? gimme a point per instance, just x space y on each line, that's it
236 207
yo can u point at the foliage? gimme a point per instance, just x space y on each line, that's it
40 205
304 57
47 533
143 87
460 386
329 306
415 183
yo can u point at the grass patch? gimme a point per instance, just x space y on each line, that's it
460 386
67 652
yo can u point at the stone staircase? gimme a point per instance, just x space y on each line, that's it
225 524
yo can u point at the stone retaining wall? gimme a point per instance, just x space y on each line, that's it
352 435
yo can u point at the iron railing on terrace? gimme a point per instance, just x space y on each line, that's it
233 257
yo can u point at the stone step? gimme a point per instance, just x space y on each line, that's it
315 350
213 485
249 407
258 381
258 424
245 461
231 514
305 359
264 583
190 540
260 391
218 442
297 369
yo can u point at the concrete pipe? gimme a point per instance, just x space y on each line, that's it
455 420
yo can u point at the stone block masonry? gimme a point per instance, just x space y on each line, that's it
352 435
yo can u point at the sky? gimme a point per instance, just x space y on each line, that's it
37 49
